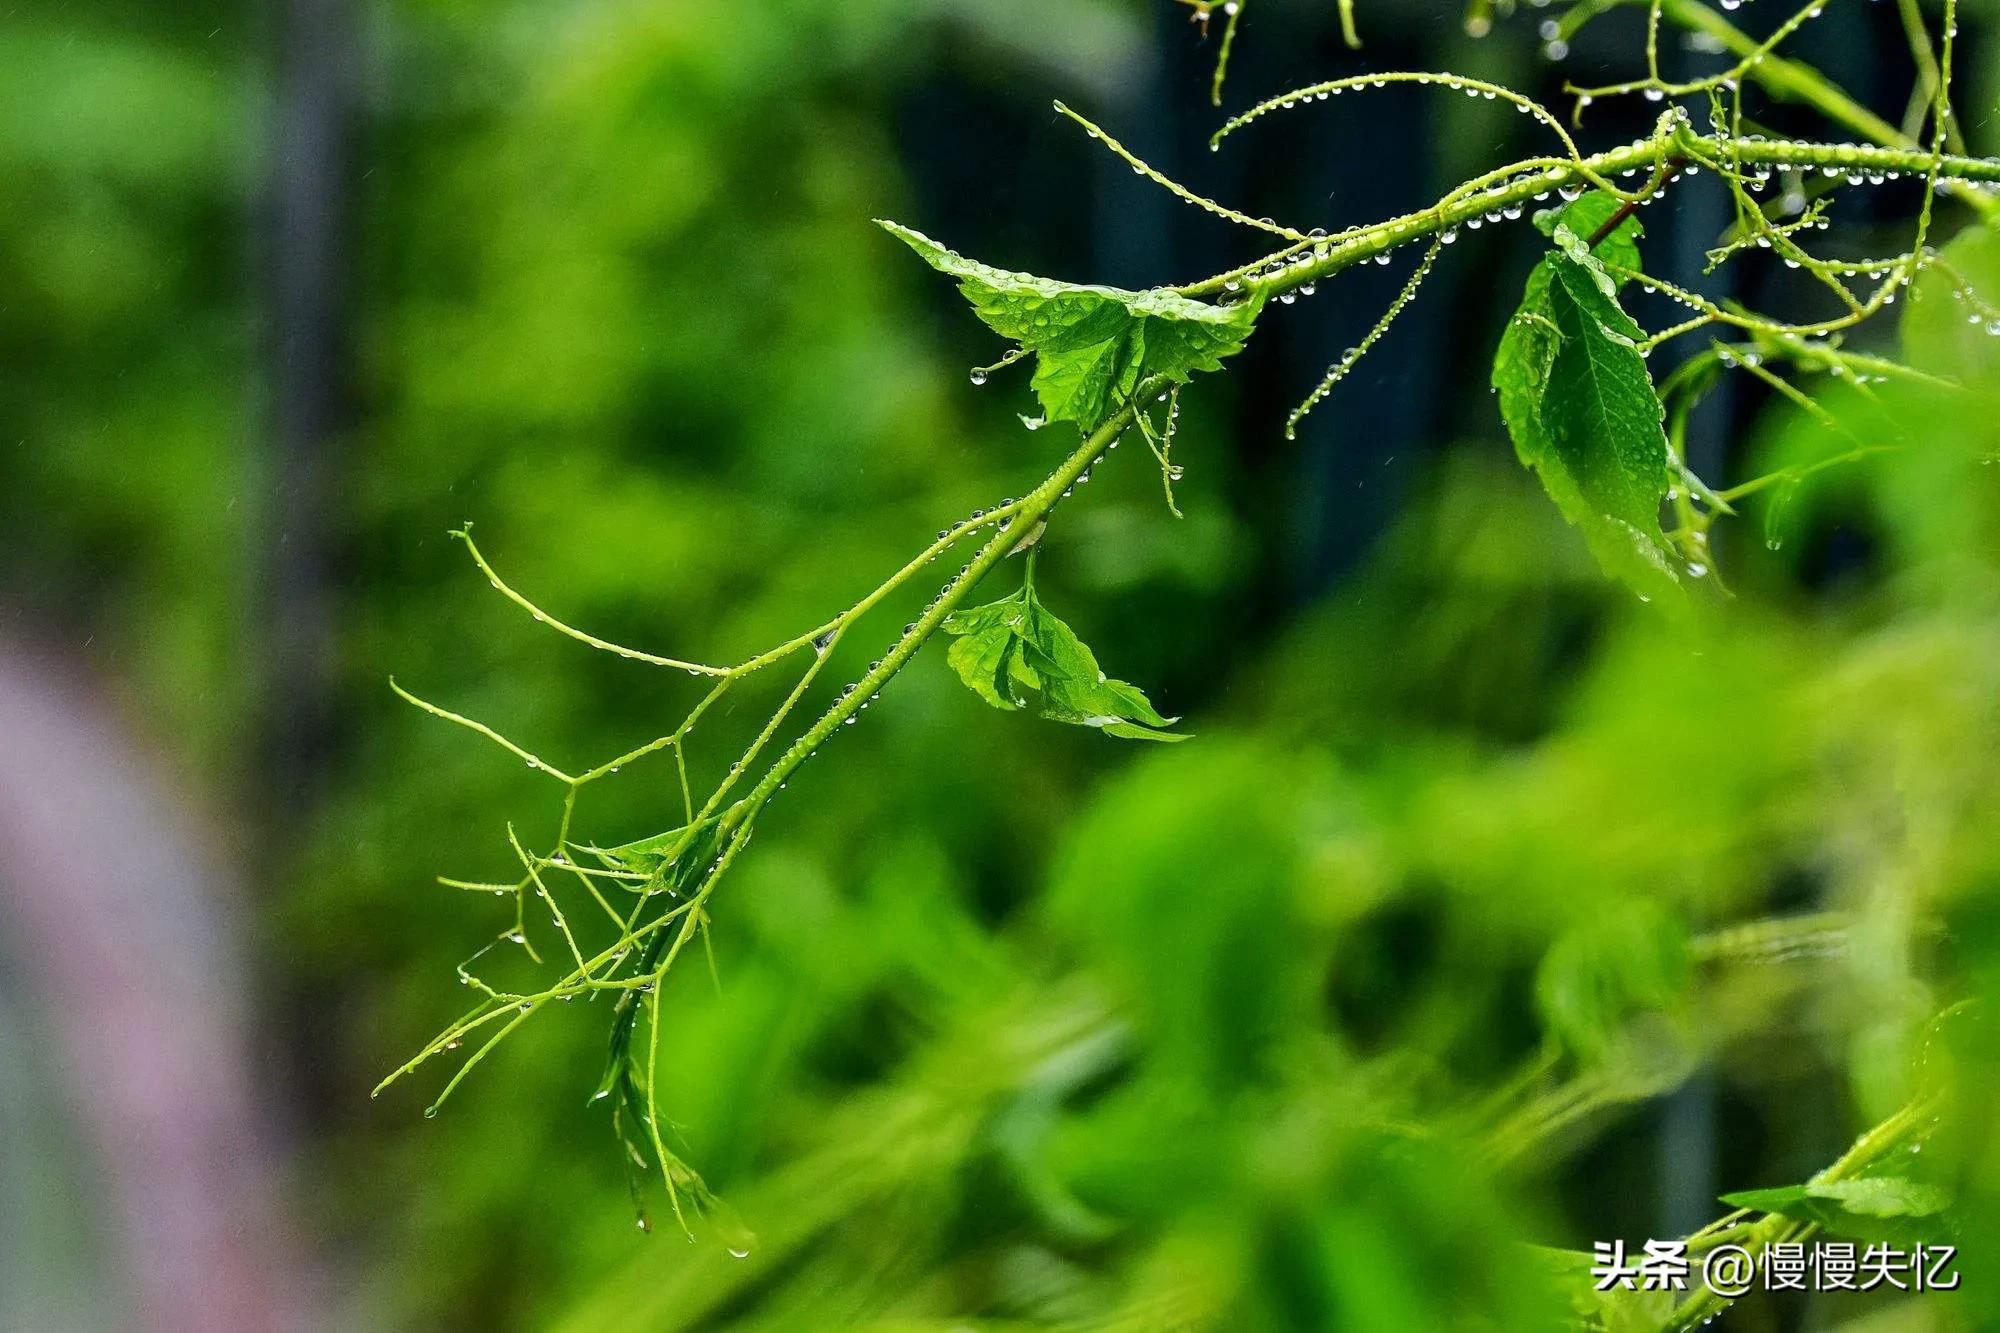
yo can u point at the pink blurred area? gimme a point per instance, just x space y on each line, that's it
122 966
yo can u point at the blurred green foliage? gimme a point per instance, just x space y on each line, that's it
127 328
1312 1023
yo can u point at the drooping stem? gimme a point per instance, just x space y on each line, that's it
1030 510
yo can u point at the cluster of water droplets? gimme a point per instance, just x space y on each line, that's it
1979 314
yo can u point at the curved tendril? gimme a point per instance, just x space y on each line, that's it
1459 83
1655 87
1174 187
506 590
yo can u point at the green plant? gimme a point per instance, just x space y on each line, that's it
1574 391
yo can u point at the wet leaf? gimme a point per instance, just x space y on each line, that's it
1093 346
1016 654
1581 408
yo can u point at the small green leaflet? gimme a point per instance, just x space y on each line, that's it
656 855
1885 1208
1093 346
1580 404
1014 653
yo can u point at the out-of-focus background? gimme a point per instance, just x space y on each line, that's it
1417 954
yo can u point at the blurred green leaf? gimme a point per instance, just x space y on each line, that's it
1614 988
1943 331
1882 1208
1612 1311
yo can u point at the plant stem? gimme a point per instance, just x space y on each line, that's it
1032 509
1910 1123
1631 206
1340 253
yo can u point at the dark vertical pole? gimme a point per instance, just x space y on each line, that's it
1133 226
306 253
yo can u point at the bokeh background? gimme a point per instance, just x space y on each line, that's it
1416 956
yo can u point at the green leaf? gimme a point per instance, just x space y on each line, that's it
1586 215
1885 1208
1937 333
1581 408
1093 346
647 856
1015 653
987 653
1884 1196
